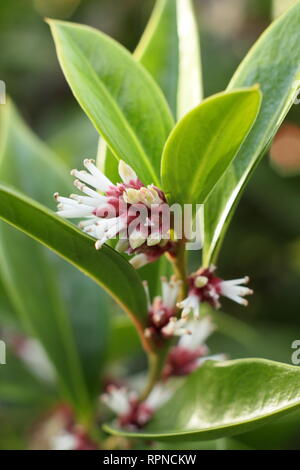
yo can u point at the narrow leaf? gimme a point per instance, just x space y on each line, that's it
205 142
118 95
170 50
273 63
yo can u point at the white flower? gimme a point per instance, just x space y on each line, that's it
200 331
205 286
109 210
189 305
191 351
131 412
176 327
64 441
119 400
162 311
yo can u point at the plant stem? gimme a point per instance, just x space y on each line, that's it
156 359
156 362
179 266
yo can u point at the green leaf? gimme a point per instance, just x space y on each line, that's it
123 102
225 398
7 314
204 143
169 49
124 341
20 388
274 63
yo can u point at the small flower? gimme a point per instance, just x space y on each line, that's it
131 413
204 286
138 214
58 430
125 404
191 350
32 353
162 321
72 440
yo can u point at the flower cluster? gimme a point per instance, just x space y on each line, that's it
75 439
205 286
140 216
187 356
58 431
162 320
133 414
137 214
191 350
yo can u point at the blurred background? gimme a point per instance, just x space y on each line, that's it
264 238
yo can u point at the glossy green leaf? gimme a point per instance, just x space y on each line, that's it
225 398
119 96
205 142
273 63
170 50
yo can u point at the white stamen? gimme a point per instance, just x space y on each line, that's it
86 223
74 213
105 182
175 327
89 201
118 400
190 304
201 330
65 200
88 191
112 227
234 291
90 180
170 292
